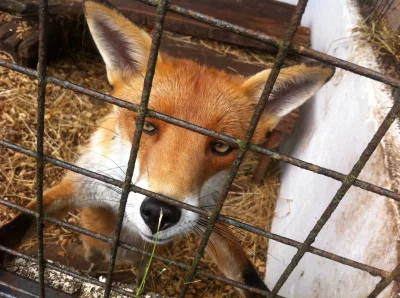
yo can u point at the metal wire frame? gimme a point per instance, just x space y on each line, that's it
41 98
123 245
140 120
347 180
204 131
64 271
269 85
273 41
224 219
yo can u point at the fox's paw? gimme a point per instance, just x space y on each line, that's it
96 258
252 279
13 232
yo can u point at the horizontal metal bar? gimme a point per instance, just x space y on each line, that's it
4 284
66 271
259 36
223 219
123 245
323 253
204 131
103 178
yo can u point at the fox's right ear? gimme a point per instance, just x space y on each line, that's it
124 47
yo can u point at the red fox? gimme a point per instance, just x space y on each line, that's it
172 161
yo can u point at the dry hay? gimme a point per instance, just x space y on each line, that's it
70 118
381 35
384 40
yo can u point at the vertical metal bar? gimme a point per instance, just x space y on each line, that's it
140 120
40 136
347 183
244 146
380 286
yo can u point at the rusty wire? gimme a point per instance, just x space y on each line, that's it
244 145
65 271
269 85
224 219
277 43
140 120
41 98
204 131
123 245
384 282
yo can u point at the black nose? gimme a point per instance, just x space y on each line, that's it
150 212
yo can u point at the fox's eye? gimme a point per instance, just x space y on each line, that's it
221 149
149 128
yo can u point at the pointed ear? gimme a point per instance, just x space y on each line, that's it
124 47
293 87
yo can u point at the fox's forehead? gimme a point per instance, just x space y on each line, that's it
198 94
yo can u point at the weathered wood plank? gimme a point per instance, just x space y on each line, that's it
266 16
272 19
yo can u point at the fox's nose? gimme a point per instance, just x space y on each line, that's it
150 212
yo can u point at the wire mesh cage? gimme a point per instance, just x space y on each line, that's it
285 47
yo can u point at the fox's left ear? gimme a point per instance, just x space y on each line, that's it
124 47
293 87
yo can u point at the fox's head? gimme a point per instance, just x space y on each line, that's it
173 161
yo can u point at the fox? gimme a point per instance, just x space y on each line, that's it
171 160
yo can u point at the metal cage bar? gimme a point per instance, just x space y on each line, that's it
140 120
66 271
273 41
41 98
244 145
204 131
123 245
384 282
287 241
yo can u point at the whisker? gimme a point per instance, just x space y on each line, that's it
106 128
118 166
230 237
104 171
237 230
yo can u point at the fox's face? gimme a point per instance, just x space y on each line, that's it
173 161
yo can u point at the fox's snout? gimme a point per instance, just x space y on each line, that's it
158 215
